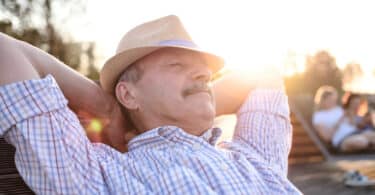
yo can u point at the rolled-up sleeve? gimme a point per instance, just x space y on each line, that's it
23 100
53 154
263 127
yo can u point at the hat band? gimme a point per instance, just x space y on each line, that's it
177 42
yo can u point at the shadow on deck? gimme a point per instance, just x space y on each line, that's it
325 178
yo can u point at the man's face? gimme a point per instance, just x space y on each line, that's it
174 90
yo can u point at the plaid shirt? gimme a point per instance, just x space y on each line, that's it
54 156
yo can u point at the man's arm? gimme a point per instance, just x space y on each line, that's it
24 62
14 65
51 147
21 61
53 154
232 89
263 129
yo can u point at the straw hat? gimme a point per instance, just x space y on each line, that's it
145 39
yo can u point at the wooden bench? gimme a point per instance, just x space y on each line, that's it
10 181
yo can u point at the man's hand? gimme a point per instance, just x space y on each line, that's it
232 89
107 124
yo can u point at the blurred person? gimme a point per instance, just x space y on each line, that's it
328 115
354 133
162 80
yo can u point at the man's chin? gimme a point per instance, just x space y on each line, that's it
206 117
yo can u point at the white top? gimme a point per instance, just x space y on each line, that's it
328 118
345 129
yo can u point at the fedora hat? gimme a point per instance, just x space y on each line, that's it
146 38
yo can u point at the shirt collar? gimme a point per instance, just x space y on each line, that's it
165 136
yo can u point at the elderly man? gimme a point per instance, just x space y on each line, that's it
161 80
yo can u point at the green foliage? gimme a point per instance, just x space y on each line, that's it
47 36
321 69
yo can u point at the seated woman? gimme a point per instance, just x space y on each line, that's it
344 128
354 132
328 115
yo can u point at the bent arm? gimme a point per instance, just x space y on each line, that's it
263 130
22 61
53 154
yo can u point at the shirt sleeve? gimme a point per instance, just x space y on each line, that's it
263 130
53 154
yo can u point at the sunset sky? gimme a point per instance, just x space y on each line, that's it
248 34
252 35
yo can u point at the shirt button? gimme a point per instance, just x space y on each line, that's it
196 146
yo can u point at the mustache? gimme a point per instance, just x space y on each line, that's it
197 88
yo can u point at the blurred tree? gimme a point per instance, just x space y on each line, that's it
351 71
320 69
37 22
295 84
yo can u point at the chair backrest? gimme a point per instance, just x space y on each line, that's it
305 105
10 181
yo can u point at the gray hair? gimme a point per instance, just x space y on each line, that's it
131 74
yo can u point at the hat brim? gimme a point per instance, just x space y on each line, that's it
113 68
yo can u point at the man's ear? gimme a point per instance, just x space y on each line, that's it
125 95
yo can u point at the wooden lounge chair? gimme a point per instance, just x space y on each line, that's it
302 108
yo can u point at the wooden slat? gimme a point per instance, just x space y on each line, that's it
303 148
301 140
299 133
304 160
308 131
13 184
304 151
7 164
10 181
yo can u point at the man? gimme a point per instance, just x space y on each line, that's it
162 81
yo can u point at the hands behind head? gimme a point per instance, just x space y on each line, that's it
107 124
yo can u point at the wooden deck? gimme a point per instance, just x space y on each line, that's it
326 178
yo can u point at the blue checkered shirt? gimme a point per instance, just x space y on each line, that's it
54 155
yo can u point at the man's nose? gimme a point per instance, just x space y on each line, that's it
202 73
